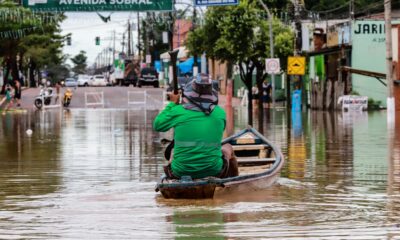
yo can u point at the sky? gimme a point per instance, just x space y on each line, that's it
86 26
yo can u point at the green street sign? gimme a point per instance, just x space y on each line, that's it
98 5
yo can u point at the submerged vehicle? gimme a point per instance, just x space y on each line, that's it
259 162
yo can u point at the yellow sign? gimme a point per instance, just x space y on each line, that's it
296 65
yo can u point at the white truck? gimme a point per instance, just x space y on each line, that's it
117 75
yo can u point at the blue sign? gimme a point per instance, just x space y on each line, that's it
215 2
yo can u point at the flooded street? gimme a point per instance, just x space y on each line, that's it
91 173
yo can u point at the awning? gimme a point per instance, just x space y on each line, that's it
187 66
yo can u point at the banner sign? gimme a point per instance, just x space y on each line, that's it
353 102
98 5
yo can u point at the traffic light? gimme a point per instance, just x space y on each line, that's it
97 40
69 40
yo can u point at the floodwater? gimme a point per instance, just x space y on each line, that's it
90 174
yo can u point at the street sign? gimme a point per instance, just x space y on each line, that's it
165 37
148 58
272 65
215 2
296 65
98 5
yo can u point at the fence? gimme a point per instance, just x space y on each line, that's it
146 101
94 99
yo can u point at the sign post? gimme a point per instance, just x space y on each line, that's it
98 5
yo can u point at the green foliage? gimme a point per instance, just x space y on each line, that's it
80 64
240 34
374 105
33 38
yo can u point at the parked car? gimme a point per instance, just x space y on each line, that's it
70 82
148 76
83 80
98 80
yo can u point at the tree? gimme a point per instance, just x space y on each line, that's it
28 40
80 63
241 34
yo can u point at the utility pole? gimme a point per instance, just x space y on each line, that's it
129 39
147 42
173 54
298 45
195 65
138 30
389 65
351 9
123 43
271 48
113 46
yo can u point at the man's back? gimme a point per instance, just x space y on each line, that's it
197 150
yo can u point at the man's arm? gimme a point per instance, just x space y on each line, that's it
165 119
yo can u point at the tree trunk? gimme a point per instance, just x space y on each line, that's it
14 68
32 67
247 79
259 81
249 101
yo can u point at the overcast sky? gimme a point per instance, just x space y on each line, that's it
86 26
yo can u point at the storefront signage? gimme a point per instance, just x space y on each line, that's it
98 5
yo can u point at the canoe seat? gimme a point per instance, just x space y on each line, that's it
250 147
260 150
255 161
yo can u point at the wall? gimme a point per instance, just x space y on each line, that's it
369 53
182 28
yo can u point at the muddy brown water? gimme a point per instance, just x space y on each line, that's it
90 174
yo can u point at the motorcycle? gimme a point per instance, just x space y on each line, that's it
67 98
44 97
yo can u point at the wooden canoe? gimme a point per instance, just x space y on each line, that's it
259 162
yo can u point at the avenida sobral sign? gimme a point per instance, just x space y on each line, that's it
98 5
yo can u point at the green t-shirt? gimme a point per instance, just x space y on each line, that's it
197 149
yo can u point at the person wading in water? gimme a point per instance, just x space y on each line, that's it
198 124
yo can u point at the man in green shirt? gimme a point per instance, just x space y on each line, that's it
198 124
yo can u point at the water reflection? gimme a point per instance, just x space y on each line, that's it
29 166
90 174
195 224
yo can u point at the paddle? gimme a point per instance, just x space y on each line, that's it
174 58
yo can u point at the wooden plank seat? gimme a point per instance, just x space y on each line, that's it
250 147
255 161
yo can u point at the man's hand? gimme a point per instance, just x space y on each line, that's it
174 97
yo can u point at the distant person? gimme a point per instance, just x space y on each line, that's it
9 96
17 92
58 87
267 91
254 91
